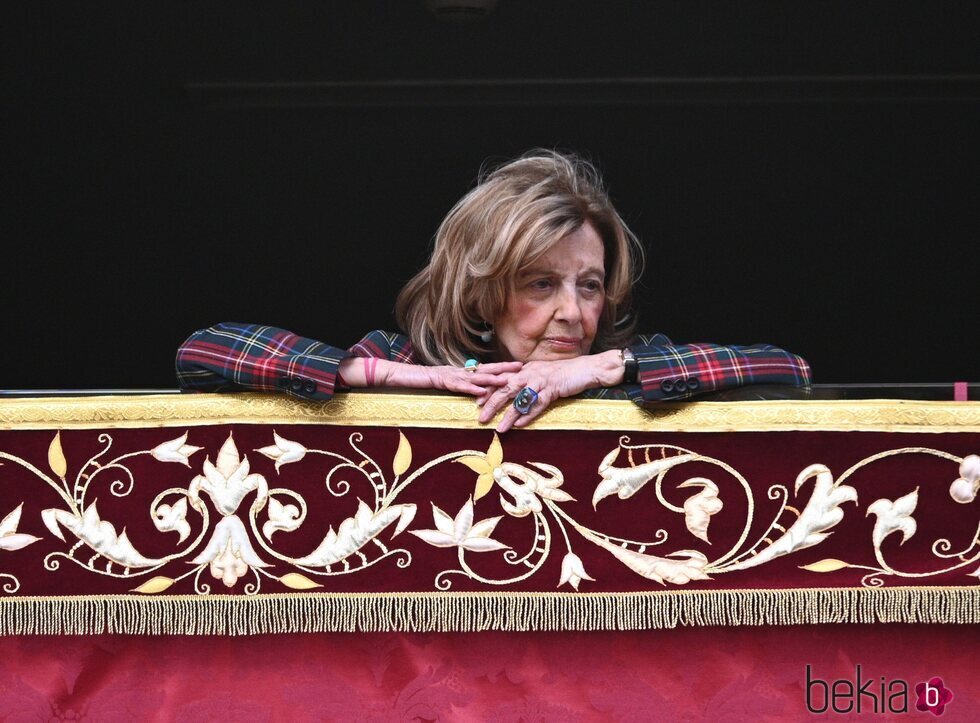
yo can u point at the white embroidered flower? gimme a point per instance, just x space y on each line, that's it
283 451
534 486
175 451
229 552
173 518
461 532
228 566
281 517
964 490
573 571
228 481
894 517
10 539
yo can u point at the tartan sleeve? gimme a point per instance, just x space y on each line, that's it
674 372
385 345
249 357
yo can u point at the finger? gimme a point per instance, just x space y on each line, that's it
465 386
510 417
497 401
500 367
490 380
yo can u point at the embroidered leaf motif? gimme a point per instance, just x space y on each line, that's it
699 508
154 585
296 581
98 534
10 522
50 520
403 457
627 481
10 539
688 566
281 517
404 519
477 464
56 457
484 483
894 517
495 454
827 565
484 467
355 532
816 521
484 480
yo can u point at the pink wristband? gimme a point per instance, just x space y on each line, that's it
960 392
369 365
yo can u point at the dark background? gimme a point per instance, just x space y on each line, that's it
803 173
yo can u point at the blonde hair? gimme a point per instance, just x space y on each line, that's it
511 217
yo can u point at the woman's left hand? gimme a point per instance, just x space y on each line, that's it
551 380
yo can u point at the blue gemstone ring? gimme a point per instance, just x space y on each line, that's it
471 365
524 400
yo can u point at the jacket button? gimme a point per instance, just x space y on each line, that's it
667 386
680 386
309 386
296 384
693 383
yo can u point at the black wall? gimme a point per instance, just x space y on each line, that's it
803 173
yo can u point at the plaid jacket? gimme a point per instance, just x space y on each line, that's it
240 357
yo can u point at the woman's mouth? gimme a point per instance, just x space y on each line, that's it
564 342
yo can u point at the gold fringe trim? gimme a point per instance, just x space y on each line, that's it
470 612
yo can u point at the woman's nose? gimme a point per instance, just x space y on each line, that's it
568 308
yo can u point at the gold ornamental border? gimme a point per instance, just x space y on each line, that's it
473 612
455 412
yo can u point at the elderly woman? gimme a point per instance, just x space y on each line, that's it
525 299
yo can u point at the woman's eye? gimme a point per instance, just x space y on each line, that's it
592 285
541 284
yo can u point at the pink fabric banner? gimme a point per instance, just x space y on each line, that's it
717 674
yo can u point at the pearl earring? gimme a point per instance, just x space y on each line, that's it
487 336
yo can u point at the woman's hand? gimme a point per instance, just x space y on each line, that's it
551 380
486 379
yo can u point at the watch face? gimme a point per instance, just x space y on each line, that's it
630 373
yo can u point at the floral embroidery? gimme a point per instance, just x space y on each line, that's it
238 548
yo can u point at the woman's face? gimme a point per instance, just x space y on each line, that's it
554 309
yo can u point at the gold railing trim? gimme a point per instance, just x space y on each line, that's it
454 412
